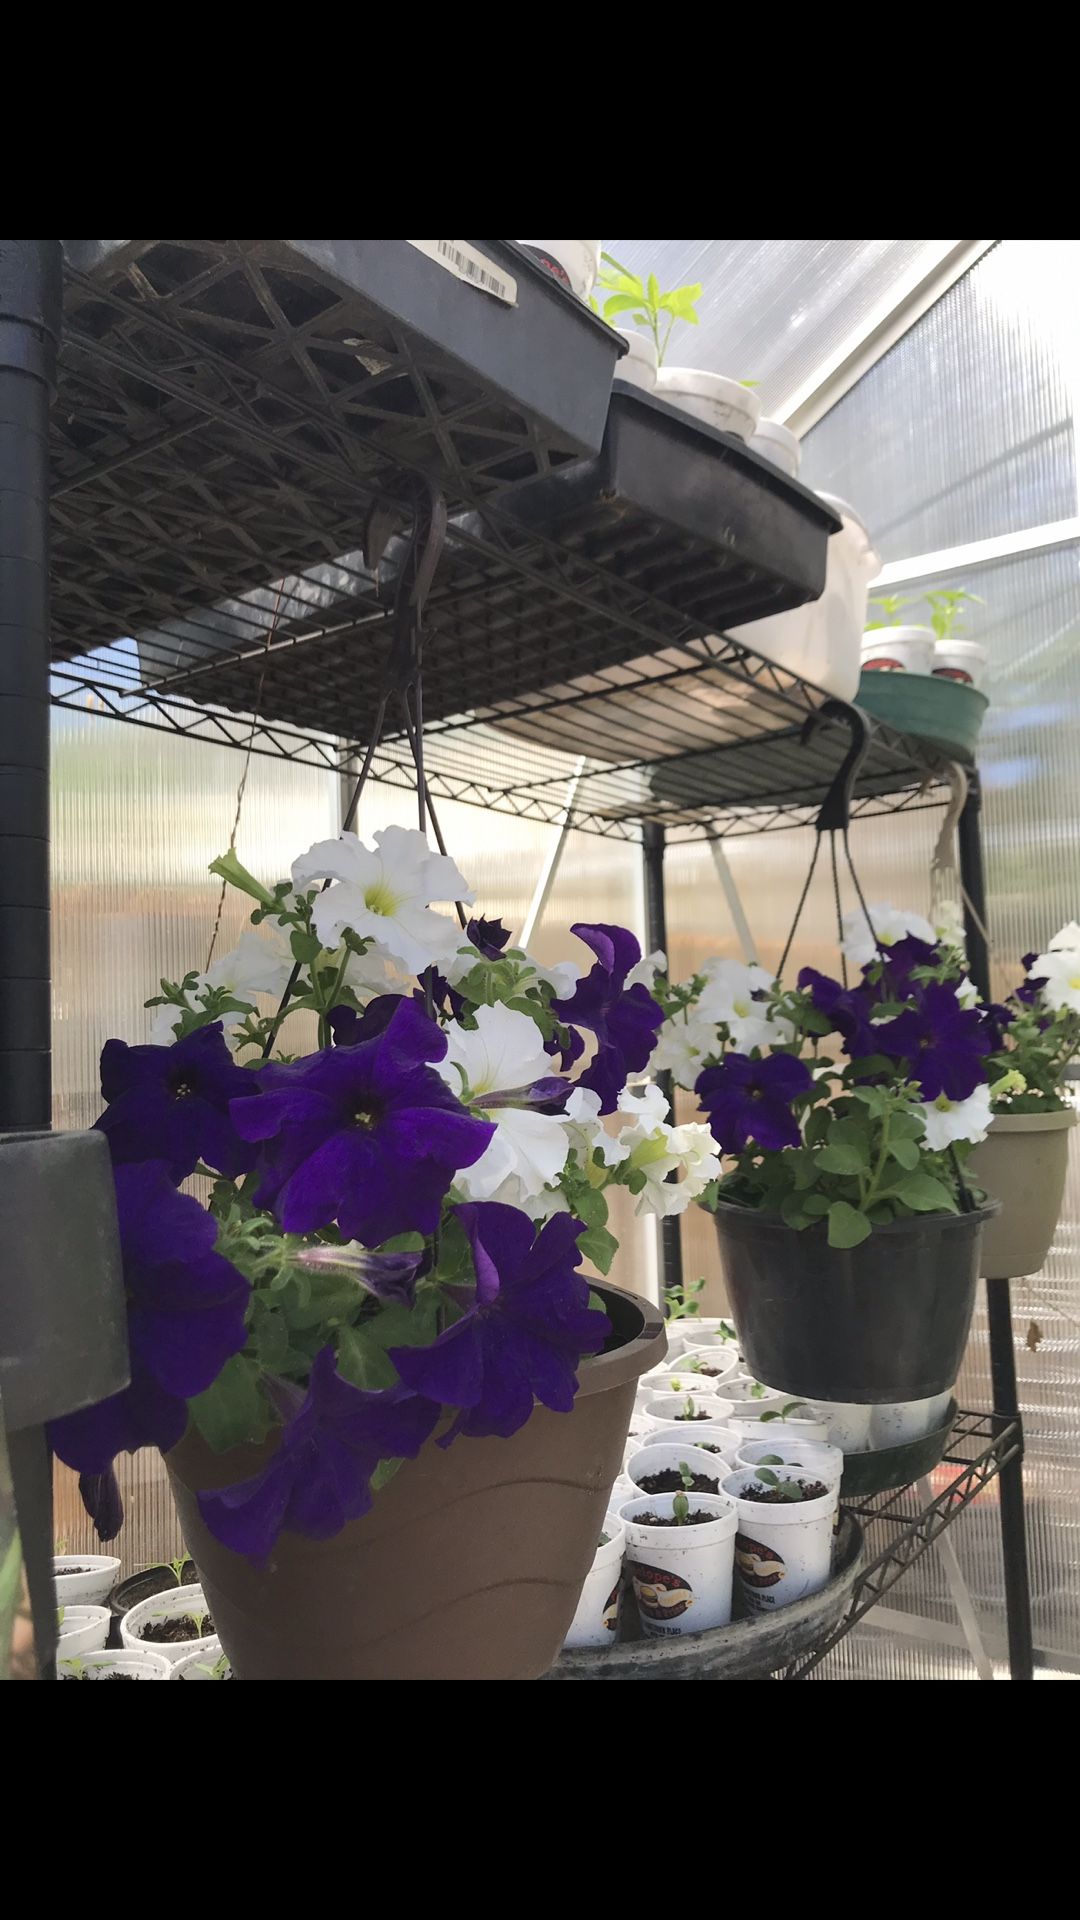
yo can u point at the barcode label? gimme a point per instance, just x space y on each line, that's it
463 261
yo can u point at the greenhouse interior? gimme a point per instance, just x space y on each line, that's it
539 959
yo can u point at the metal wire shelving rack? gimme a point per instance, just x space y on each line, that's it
238 438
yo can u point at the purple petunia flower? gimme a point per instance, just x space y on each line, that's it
351 1029
172 1103
100 1495
489 937
846 1007
625 1020
568 1050
1030 988
186 1309
368 1136
899 961
942 1043
751 1100
319 1478
524 1337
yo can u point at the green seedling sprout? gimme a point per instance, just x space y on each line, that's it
772 1460
781 1413
787 1489
891 606
218 1671
686 1475
947 609
689 1411
682 1301
643 302
680 1509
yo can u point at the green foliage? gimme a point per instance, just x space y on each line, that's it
1026 1074
890 606
680 1509
947 609
643 302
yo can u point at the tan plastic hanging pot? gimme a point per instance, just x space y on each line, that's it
1023 1163
468 1566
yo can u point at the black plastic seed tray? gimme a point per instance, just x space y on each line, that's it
229 412
672 530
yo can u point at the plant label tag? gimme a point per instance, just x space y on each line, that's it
465 263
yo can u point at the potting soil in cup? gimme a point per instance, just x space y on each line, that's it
783 1548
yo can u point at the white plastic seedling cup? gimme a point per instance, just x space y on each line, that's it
681 1575
662 1456
898 650
597 1616
783 1551
670 1410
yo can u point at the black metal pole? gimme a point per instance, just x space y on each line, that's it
653 838
30 310
998 1302
30 295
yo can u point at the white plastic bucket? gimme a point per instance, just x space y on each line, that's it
821 641
681 1575
98 1666
782 1552
809 1426
638 364
716 1434
82 1630
898 650
597 1616
894 1423
848 1424
716 1363
963 660
712 397
777 443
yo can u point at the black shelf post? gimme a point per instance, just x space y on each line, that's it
998 1302
653 840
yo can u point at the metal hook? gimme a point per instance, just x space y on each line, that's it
835 811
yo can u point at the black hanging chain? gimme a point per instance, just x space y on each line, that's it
402 675
834 818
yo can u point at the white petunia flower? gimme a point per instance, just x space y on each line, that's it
728 1000
384 893
948 1120
1067 941
949 922
1059 969
586 1131
967 992
658 1150
260 963
504 1054
683 1046
890 924
644 974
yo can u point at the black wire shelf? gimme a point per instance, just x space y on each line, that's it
898 1530
238 435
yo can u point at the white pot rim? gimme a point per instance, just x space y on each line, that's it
78 1616
680 1540
155 1664
172 1602
670 1452
884 636
785 1513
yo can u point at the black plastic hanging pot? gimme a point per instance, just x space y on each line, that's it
886 1320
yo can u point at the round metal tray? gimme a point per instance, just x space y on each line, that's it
887 1467
746 1650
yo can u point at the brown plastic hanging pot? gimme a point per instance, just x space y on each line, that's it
884 1321
1023 1162
468 1566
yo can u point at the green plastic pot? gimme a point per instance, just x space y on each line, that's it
945 713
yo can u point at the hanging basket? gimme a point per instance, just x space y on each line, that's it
1023 1162
469 1565
884 1321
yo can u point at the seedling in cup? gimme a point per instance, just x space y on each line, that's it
643 302
783 1489
785 1412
